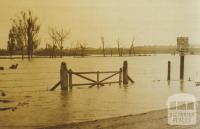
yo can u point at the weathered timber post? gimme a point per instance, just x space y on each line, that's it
63 76
169 71
183 48
181 67
70 79
120 76
125 72
97 78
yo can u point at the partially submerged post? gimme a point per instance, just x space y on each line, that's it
125 72
169 71
120 76
64 76
181 67
70 79
182 47
98 78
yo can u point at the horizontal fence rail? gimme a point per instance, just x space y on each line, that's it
95 72
95 82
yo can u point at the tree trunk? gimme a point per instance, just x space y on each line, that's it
53 53
133 51
11 54
121 51
31 49
103 50
118 49
30 39
22 52
61 50
61 53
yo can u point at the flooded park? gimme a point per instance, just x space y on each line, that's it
103 64
27 89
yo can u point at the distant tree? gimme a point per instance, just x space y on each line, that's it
53 48
52 34
48 50
76 49
11 42
118 47
58 36
83 47
120 50
131 49
20 45
32 32
20 32
102 41
70 49
26 32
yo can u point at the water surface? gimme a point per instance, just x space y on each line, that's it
28 87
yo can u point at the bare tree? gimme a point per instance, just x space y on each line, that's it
70 49
118 47
131 49
58 36
32 32
19 39
102 41
76 49
83 47
26 32
48 50
52 34
20 25
11 42
120 50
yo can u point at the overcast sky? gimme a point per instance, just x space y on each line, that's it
151 22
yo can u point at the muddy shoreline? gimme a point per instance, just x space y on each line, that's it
151 120
157 119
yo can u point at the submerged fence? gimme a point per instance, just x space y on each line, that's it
66 77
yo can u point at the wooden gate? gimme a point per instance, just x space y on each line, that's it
66 77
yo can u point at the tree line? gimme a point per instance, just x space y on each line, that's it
24 38
23 35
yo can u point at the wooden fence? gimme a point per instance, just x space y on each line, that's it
66 77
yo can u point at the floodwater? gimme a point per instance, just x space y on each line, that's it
27 87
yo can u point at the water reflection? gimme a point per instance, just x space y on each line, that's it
168 83
182 86
65 97
125 88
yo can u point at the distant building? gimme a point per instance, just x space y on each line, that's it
182 44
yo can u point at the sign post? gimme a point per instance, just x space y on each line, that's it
182 47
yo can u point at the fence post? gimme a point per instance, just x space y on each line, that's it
70 79
169 71
120 76
64 76
97 78
125 72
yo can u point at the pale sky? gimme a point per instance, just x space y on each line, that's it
151 22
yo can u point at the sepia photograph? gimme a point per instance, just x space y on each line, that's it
99 64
